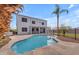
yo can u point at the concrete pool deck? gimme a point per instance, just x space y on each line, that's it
60 48
7 48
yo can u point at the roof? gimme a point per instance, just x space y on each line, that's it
32 17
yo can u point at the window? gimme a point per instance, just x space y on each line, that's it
42 23
37 29
42 30
24 19
33 22
24 29
32 29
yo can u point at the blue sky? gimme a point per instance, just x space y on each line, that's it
43 11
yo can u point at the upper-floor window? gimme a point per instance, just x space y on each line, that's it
42 23
24 29
33 22
24 19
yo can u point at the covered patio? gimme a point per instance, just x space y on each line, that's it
38 30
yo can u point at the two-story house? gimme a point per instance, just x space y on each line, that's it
30 25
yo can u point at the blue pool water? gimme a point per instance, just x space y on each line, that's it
29 44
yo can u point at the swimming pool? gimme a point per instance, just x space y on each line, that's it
36 41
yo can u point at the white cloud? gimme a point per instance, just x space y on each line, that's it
71 6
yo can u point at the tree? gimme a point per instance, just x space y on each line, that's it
57 12
14 31
6 10
64 28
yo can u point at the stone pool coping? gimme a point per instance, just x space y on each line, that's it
60 48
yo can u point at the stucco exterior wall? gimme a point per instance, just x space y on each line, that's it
28 24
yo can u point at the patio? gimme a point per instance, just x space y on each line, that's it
60 48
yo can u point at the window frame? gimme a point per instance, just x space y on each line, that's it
24 29
24 19
42 23
33 22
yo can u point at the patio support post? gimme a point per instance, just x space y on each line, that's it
53 32
39 30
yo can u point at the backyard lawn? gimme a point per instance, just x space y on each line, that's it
69 35
72 35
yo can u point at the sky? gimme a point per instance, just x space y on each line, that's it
44 11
